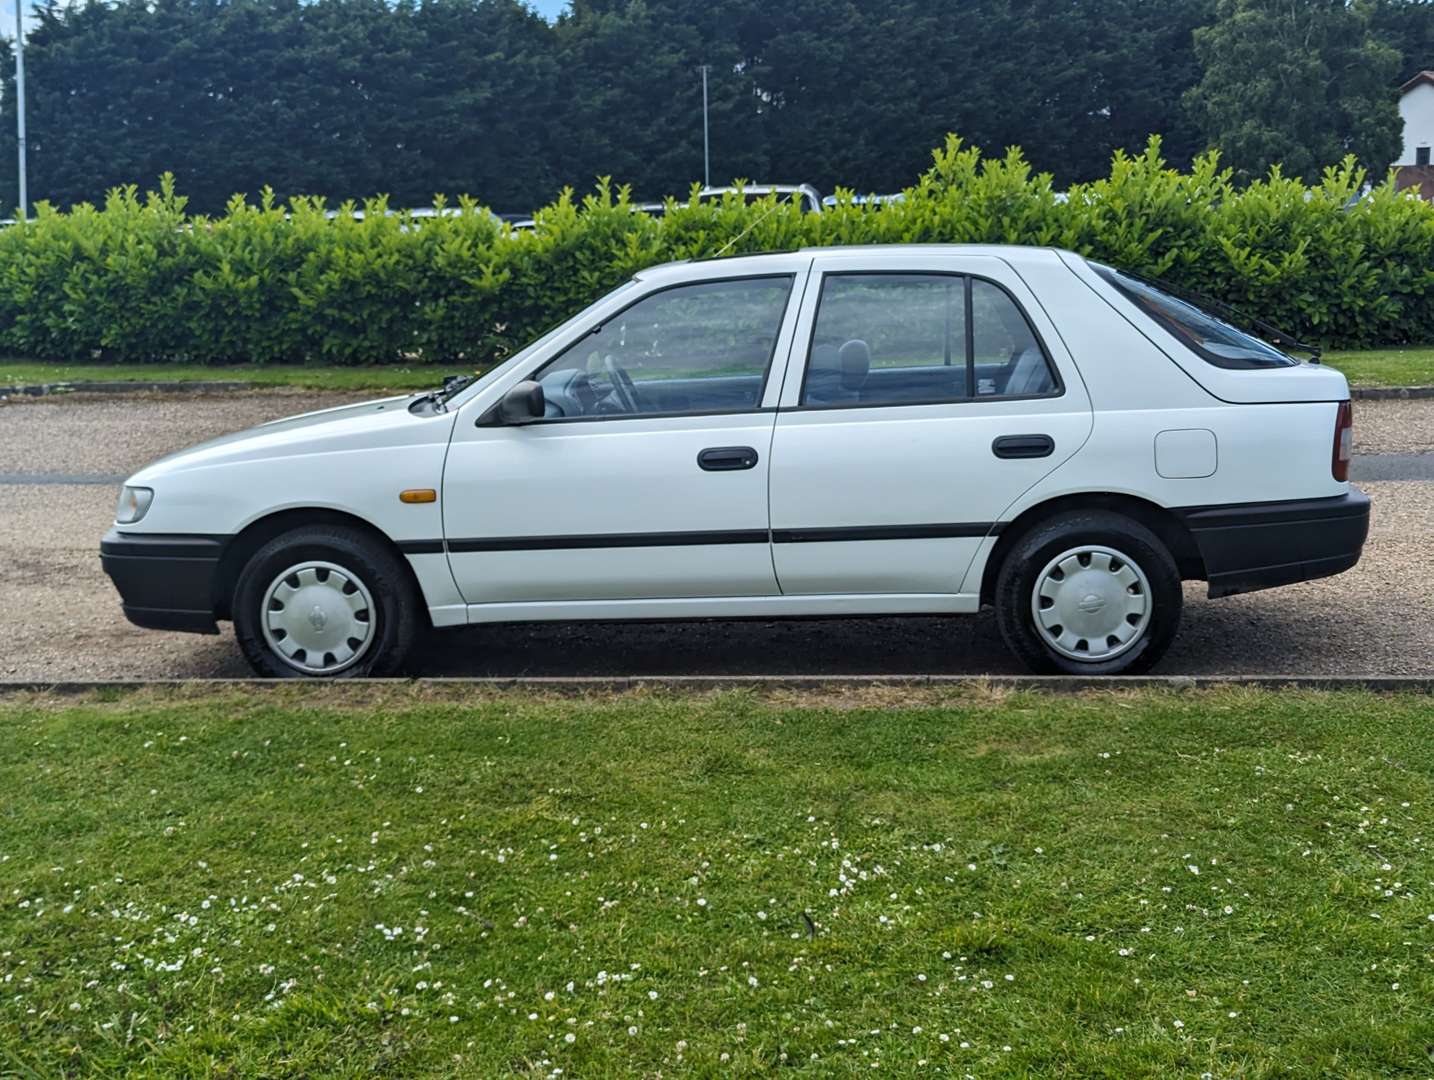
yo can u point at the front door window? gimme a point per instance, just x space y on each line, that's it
702 348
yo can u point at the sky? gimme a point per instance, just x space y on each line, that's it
548 9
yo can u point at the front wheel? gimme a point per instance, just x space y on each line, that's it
1088 593
325 601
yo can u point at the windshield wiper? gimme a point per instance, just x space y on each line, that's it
433 401
452 384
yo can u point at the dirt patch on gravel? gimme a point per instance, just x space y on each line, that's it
61 620
1394 427
122 434
61 617
118 435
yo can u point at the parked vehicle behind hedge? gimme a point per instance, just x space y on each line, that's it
861 431
804 195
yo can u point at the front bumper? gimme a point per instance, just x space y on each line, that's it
166 581
1261 545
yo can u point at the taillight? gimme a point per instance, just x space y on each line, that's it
1343 441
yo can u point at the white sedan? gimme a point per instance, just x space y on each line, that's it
841 431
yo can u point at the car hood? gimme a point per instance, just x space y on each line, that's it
368 422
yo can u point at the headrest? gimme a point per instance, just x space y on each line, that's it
854 358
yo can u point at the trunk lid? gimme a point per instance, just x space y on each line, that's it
1302 382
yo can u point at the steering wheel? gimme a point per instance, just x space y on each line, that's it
622 386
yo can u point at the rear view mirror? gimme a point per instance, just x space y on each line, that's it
521 404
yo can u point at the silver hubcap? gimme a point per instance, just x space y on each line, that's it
318 617
1091 603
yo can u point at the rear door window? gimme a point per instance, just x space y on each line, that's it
920 339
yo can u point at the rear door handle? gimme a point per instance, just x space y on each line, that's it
727 458
1023 446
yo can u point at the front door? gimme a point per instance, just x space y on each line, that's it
648 477
932 393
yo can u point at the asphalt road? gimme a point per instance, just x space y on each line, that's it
59 616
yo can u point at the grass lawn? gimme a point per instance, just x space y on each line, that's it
347 881
377 377
1408 366
1376 367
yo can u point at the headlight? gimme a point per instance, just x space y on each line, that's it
133 504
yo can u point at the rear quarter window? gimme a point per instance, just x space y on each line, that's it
1212 338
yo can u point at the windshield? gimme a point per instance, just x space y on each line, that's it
524 354
1215 339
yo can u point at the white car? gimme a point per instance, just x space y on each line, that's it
804 195
841 431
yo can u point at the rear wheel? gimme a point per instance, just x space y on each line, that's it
1088 593
325 601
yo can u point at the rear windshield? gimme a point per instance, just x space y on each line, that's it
1212 337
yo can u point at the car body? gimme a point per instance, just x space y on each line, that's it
416 216
830 202
830 432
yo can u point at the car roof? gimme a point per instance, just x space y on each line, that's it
787 261
1003 251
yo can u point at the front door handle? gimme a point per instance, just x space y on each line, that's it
1023 446
727 458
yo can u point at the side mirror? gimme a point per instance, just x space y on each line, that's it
522 404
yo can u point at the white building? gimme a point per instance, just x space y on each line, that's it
1413 170
1416 109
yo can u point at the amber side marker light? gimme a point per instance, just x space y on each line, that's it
418 495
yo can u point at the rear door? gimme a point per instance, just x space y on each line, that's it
925 393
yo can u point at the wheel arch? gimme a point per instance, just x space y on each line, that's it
1162 522
241 548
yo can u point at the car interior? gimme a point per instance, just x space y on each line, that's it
838 375
892 340
611 390
843 374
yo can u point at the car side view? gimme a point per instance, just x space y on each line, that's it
840 431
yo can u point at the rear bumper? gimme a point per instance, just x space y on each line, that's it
165 580
1260 545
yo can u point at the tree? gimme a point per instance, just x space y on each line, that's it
340 98
352 98
1408 26
1296 83
857 92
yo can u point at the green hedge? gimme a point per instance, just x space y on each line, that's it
142 281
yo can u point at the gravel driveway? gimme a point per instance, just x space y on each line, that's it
61 459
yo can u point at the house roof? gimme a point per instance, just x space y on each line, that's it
1422 77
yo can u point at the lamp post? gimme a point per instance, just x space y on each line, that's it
20 104
706 154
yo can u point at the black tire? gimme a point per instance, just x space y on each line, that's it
1024 562
395 617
